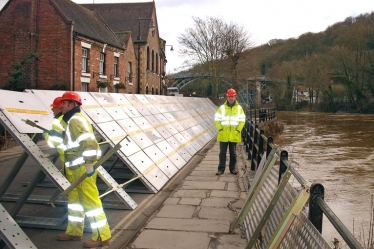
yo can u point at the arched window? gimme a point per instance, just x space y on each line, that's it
157 63
153 91
146 90
153 61
148 58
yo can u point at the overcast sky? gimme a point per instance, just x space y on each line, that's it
262 19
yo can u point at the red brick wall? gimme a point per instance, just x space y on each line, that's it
34 26
28 26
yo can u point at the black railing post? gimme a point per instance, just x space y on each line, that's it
260 151
282 165
254 149
250 142
268 146
315 214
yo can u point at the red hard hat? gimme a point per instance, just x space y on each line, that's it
57 102
72 96
231 92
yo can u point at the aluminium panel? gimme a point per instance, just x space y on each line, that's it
161 107
112 130
179 147
110 105
142 122
93 109
154 135
178 160
18 106
137 104
172 154
129 126
173 121
202 133
166 124
162 161
142 140
143 110
125 104
154 100
192 139
161 130
185 143
196 138
149 169
152 120
135 133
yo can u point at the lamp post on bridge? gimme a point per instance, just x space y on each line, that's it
151 26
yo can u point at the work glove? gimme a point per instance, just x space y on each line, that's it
89 169
55 133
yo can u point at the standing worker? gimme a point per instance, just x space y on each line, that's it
81 151
229 120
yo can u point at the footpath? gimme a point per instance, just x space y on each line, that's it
193 210
199 211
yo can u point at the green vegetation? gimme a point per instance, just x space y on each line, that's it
19 82
336 68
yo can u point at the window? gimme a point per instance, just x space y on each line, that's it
102 64
129 72
84 87
156 62
153 61
115 73
148 58
84 60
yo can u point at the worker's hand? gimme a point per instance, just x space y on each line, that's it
89 170
55 133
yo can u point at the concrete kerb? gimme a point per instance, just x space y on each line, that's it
149 207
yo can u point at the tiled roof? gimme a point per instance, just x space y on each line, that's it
86 22
122 17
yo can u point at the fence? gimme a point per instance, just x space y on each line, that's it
274 215
256 116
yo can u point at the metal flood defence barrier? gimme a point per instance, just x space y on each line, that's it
163 133
282 210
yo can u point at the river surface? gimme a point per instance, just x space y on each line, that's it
337 151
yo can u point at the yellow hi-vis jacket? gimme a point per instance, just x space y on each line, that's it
57 142
229 122
80 143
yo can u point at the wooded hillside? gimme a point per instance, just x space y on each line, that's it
336 66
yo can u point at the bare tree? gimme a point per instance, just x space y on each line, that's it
215 46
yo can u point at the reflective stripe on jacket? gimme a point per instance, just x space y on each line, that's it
229 122
80 144
54 141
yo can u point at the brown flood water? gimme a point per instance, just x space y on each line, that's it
337 151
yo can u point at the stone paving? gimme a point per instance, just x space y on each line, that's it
196 215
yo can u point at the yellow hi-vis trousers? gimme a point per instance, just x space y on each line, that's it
84 201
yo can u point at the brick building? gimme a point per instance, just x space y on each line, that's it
81 48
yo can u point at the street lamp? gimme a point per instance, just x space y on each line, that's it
171 49
163 79
151 26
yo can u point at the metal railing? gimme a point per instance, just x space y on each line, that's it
256 116
272 214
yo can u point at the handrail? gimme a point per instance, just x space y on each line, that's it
253 138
